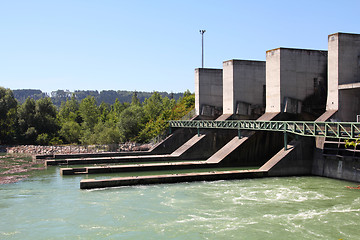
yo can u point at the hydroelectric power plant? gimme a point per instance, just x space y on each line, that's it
287 116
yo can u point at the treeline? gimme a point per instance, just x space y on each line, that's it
86 121
106 96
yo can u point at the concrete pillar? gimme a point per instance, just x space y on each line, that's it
344 76
243 86
208 90
292 75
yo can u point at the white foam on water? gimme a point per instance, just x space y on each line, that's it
292 194
317 235
169 202
310 214
197 218
92 227
106 189
9 233
216 224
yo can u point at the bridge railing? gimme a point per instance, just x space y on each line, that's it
343 130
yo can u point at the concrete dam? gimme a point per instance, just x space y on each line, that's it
287 116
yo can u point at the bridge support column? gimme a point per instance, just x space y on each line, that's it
239 133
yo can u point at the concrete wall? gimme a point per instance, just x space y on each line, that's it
211 143
344 68
256 150
292 73
298 160
345 168
349 105
208 88
243 81
173 141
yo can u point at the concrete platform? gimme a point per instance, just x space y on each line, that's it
326 116
294 161
223 117
211 162
349 86
171 178
124 159
290 162
136 168
93 155
226 150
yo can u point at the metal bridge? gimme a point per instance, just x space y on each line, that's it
342 130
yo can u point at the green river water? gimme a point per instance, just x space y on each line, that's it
48 206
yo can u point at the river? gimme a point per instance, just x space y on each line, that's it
49 206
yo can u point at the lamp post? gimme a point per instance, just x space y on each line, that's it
202 47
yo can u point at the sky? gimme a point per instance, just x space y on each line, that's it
152 45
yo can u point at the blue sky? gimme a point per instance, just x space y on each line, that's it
152 45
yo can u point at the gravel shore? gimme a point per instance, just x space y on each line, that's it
69 149
19 162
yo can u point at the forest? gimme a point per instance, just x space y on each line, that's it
106 96
87 121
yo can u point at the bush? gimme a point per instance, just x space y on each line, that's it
43 139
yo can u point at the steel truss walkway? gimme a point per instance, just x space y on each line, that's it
343 130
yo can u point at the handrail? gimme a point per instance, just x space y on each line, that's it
343 130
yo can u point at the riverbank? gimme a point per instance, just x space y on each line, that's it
16 167
70 149
19 162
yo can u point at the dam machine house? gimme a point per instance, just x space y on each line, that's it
286 116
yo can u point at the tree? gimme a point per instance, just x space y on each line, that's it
104 110
157 111
131 121
116 110
8 108
188 99
183 106
107 133
153 106
89 113
69 111
135 100
26 121
46 117
118 107
36 118
70 131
